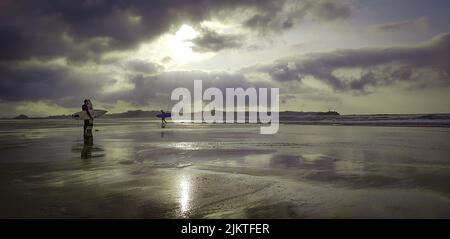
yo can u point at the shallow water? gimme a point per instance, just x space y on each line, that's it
132 168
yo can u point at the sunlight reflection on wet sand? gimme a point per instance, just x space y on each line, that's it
184 193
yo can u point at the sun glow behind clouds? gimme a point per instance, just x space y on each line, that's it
175 46
180 47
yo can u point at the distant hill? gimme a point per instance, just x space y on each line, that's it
21 117
133 114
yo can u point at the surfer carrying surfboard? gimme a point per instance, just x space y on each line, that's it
163 119
88 123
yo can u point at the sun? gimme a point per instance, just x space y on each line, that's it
176 46
185 32
180 45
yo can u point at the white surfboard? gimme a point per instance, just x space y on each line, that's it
82 115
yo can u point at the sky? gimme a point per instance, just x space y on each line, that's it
352 56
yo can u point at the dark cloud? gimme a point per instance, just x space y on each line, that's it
332 10
424 65
157 88
273 18
209 40
285 98
426 62
283 72
279 16
421 23
44 82
259 21
67 87
82 30
143 67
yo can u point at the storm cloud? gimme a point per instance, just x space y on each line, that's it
157 88
210 40
82 30
426 64
275 18
141 66
56 53
67 87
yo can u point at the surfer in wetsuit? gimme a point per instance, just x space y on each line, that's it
163 119
88 123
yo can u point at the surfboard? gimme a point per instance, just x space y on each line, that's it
82 115
184 165
166 115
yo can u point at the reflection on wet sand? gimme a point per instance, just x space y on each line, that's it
88 150
184 190
88 142
226 171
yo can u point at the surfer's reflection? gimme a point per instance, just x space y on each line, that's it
86 151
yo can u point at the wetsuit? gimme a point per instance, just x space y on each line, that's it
88 123
163 119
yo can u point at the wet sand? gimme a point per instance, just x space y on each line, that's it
134 169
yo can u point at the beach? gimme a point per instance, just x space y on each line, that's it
132 168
